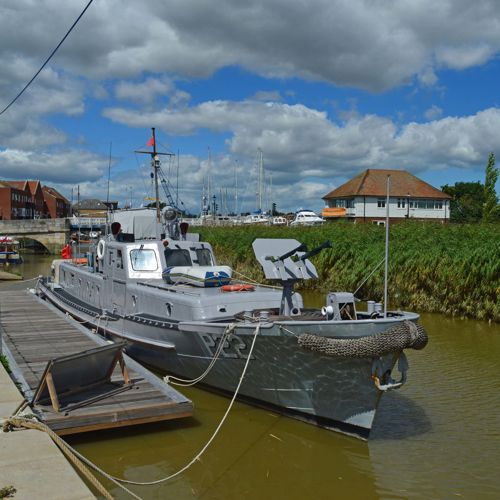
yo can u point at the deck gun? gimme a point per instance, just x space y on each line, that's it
286 261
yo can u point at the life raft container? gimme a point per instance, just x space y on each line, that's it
239 287
201 276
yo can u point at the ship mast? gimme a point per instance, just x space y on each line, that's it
155 165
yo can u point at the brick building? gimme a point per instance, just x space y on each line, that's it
29 200
56 205
15 201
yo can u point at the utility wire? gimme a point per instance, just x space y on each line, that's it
47 60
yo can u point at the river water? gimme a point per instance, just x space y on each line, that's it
436 438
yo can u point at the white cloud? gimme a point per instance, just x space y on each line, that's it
66 167
144 92
294 135
433 112
369 44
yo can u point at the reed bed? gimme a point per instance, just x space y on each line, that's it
450 269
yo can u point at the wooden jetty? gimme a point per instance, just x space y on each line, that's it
37 337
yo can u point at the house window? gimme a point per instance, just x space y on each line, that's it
401 203
343 203
427 204
381 203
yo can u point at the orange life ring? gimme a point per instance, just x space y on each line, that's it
82 260
240 287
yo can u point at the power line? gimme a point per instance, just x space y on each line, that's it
47 60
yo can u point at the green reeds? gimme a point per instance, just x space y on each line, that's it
451 269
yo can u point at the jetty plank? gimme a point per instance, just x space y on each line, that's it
34 332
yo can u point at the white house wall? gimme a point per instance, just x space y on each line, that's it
372 210
368 207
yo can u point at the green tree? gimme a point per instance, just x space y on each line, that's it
490 206
467 201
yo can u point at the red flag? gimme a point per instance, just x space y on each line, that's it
151 141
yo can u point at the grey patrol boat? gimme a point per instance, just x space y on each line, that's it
157 287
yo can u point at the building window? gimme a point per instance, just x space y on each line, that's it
381 203
401 203
342 203
427 204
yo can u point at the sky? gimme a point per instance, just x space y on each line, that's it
324 89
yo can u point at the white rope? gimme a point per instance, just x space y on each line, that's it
281 327
198 455
254 282
369 276
171 379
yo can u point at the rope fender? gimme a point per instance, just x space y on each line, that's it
396 338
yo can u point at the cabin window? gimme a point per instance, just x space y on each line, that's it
204 257
177 257
143 260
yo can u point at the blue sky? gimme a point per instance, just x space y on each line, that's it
325 89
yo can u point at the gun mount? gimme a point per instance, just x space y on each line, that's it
286 261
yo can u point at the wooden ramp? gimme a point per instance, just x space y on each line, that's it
35 333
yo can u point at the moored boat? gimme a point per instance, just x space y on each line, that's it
327 366
9 251
307 218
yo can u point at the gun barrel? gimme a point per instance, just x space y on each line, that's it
300 248
317 250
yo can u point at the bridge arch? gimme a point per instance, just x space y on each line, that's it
51 233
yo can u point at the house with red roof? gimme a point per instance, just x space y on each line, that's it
34 209
31 200
363 199
56 205
15 200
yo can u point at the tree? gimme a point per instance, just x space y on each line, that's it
491 210
467 201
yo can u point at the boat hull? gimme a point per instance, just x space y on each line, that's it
331 392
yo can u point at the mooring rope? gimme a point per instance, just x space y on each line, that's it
71 454
171 379
77 458
200 453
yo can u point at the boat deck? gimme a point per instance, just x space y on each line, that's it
34 333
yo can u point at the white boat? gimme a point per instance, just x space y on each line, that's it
327 366
256 219
307 218
9 251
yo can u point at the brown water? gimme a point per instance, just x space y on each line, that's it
436 438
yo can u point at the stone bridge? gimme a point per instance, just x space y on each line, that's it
51 233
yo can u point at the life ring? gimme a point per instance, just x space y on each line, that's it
240 287
101 246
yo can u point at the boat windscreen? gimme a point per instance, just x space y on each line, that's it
177 257
204 257
143 260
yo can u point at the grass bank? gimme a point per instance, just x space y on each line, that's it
450 269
